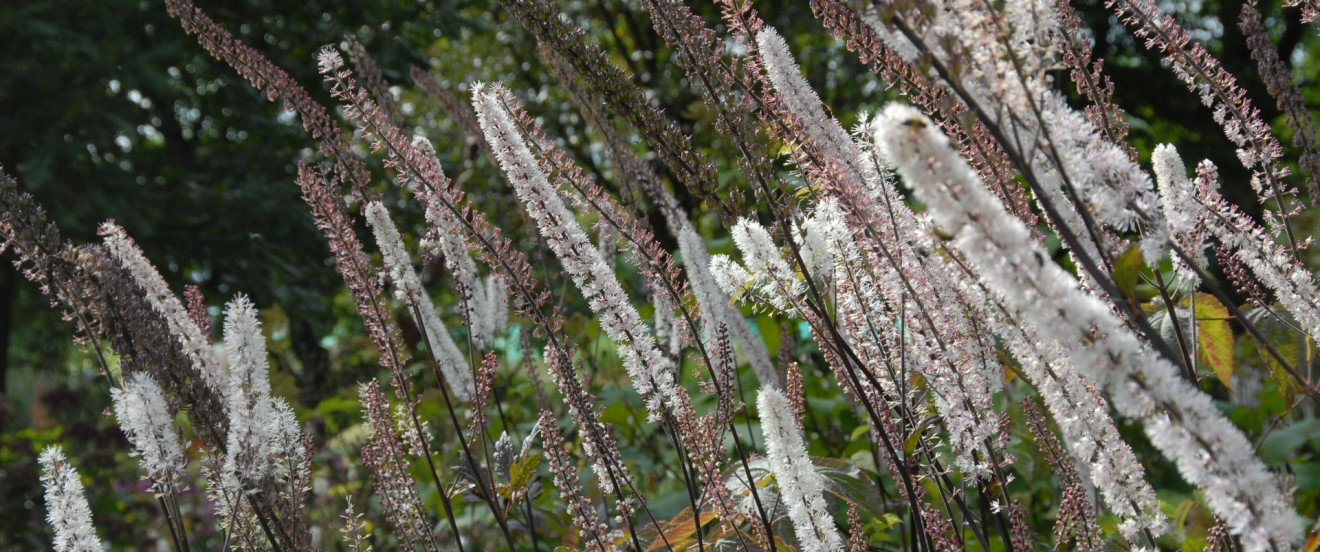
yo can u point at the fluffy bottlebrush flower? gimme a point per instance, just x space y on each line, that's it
1180 210
651 372
1181 421
1080 411
409 290
190 337
616 227
264 436
712 301
145 419
713 305
66 505
801 487
700 52
764 271
798 97
247 452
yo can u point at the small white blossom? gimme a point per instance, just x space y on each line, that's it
1180 211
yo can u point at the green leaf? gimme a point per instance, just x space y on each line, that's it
523 470
847 482
1214 337
1289 344
1127 271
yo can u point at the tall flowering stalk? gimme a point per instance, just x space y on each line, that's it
588 523
1078 408
385 453
1180 420
802 488
869 229
484 304
332 218
652 373
66 504
410 291
1177 197
264 436
1278 79
1076 519
190 338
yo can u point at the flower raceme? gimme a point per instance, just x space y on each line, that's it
650 370
409 289
1205 210
66 505
162 300
801 487
141 412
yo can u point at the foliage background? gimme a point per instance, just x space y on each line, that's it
111 111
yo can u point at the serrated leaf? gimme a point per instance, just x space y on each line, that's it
843 480
1285 340
1214 337
847 482
522 471
681 531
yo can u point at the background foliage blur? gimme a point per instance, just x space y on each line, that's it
111 111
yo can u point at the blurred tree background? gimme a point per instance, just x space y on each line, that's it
111 112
